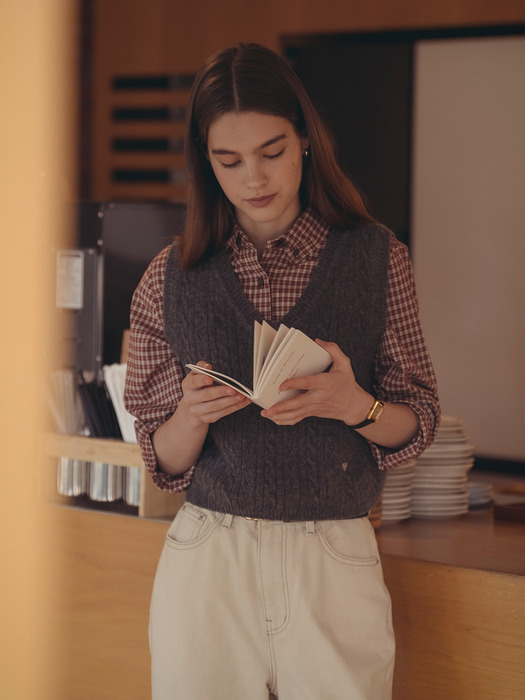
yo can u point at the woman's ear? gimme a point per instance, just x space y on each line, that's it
305 145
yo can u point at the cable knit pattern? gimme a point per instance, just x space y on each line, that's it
319 468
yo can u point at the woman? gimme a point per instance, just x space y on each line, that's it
270 580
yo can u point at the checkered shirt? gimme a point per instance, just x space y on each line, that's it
404 372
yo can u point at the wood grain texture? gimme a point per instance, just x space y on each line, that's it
475 541
162 36
88 449
104 565
460 631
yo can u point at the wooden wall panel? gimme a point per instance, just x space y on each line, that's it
167 36
459 631
104 567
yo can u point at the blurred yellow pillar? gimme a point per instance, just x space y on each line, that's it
38 43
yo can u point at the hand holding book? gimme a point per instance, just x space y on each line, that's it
277 356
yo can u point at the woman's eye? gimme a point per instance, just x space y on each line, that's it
271 156
268 156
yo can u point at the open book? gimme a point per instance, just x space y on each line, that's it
278 355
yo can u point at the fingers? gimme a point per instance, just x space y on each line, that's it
213 405
325 395
195 381
207 402
291 411
331 348
302 383
340 363
290 418
339 359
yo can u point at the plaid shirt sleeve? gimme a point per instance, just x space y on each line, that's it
154 375
404 372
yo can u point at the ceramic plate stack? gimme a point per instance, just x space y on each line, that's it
479 494
440 474
395 501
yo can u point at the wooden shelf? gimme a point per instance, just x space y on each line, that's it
125 454
153 502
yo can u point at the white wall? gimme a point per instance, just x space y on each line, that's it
468 231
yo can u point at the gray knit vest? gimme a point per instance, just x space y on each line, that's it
320 468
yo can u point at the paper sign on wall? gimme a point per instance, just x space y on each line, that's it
70 279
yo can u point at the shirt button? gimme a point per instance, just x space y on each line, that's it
296 252
280 243
260 282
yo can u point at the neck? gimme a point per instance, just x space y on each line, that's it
259 235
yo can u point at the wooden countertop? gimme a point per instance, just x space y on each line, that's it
476 540
473 541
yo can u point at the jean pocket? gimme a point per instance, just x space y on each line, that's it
191 526
350 542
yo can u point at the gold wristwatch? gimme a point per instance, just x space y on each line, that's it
372 416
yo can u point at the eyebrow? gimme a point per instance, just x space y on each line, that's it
270 142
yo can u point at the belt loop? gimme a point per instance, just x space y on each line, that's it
309 527
228 517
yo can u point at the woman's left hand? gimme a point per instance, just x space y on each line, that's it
332 394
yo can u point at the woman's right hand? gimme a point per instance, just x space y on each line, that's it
206 402
178 442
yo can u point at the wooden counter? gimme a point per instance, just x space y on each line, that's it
475 541
457 588
458 592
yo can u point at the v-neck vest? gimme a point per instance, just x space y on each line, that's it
319 468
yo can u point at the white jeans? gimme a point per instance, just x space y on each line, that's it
242 608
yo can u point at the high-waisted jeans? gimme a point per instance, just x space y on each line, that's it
246 608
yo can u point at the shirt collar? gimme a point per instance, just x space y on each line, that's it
304 238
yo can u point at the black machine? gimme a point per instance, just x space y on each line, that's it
95 280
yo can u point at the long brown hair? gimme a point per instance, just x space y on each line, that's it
252 78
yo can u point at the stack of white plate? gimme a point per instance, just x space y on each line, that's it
440 475
395 500
479 494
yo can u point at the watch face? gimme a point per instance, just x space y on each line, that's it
377 411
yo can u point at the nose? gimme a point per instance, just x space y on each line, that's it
255 176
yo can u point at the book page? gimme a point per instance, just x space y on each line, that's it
280 355
300 357
223 379
267 336
280 339
256 339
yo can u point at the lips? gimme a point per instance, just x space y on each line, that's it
261 201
